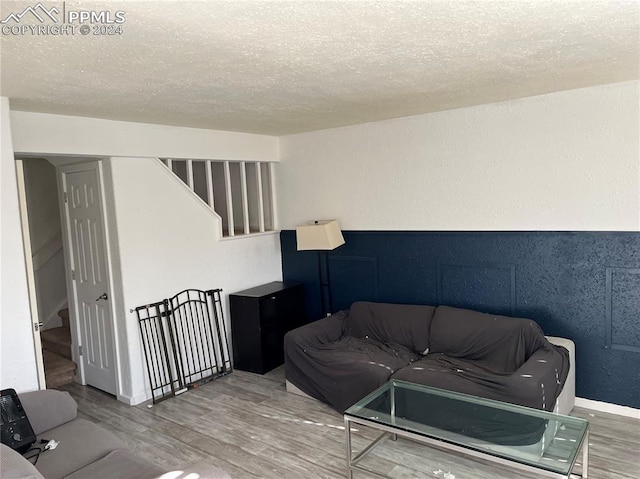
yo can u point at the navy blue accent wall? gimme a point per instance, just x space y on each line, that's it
580 285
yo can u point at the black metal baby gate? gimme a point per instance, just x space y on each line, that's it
185 342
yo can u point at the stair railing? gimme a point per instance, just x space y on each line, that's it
241 193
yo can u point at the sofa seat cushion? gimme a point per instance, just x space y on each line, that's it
120 464
81 443
524 387
406 324
342 372
498 343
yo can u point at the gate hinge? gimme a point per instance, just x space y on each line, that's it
66 197
80 350
73 275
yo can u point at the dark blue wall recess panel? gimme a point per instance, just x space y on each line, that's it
580 285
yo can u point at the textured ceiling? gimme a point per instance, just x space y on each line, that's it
280 67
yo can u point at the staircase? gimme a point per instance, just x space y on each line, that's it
56 351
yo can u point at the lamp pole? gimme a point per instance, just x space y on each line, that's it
322 236
321 283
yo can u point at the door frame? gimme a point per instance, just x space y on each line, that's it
31 280
76 334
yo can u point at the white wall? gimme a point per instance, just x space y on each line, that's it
564 161
41 190
152 263
17 359
42 201
167 242
74 135
51 290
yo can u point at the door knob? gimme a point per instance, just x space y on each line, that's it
102 296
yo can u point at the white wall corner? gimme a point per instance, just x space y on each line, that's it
17 355
121 331
134 400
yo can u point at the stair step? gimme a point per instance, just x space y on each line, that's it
64 315
57 340
57 370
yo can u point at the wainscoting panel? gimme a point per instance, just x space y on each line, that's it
581 285
623 309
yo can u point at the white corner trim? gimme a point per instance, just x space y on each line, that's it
134 399
608 408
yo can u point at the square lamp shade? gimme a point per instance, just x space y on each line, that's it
319 235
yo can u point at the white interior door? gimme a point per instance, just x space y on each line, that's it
90 274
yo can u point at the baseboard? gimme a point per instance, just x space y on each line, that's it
608 408
133 400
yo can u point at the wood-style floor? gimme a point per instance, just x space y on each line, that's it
250 426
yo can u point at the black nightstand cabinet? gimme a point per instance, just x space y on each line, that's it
260 317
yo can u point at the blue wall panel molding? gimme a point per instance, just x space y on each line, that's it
623 309
581 285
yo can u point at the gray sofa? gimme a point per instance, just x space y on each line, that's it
342 358
86 450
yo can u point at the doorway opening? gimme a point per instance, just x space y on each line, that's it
48 269
68 261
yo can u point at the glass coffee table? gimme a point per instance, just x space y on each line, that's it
541 442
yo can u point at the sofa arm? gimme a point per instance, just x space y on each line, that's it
15 466
567 399
538 382
322 331
314 336
48 408
200 471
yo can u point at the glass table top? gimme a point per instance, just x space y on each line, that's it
529 436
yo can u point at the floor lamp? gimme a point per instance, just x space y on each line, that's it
322 236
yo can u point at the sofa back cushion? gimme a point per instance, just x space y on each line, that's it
48 408
404 324
499 343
